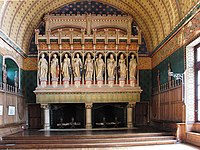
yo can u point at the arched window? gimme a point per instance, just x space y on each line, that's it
13 71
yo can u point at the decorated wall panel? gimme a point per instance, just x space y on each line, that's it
176 61
30 63
30 83
145 83
144 63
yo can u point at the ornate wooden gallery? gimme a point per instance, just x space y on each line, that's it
87 71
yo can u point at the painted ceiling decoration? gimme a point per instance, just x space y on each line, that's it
156 18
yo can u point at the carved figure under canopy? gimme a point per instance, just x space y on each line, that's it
89 66
54 66
99 63
66 65
122 66
77 66
111 65
133 67
42 68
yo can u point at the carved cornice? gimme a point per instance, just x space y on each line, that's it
105 96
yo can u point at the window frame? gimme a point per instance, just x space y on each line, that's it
196 69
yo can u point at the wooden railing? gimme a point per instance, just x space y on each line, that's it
9 88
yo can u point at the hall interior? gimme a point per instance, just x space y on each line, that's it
95 65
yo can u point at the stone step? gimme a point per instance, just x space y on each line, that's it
85 145
92 140
99 136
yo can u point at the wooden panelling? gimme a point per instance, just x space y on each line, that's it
142 113
167 105
34 116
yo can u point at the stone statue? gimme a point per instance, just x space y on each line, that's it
133 67
99 66
77 66
54 67
122 66
66 67
89 66
4 73
42 67
111 64
16 79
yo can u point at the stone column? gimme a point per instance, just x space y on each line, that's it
88 107
130 107
46 116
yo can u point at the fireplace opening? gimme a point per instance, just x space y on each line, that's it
109 115
66 116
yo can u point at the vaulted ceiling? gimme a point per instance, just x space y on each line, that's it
156 18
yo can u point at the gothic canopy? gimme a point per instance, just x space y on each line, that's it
156 18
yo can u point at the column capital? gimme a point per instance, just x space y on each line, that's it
45 106
131 105
88 105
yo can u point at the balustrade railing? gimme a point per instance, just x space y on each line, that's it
9 88
166 86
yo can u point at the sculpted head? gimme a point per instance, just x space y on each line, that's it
88 55
132 55
42 55
111 56
77 55
122 56
100 55
54 55
66 55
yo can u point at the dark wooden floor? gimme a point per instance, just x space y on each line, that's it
76 138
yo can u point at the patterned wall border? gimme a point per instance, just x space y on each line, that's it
187 33
184 21
30 63
144 63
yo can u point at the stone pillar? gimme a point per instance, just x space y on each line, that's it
46 116
130 107
88 107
